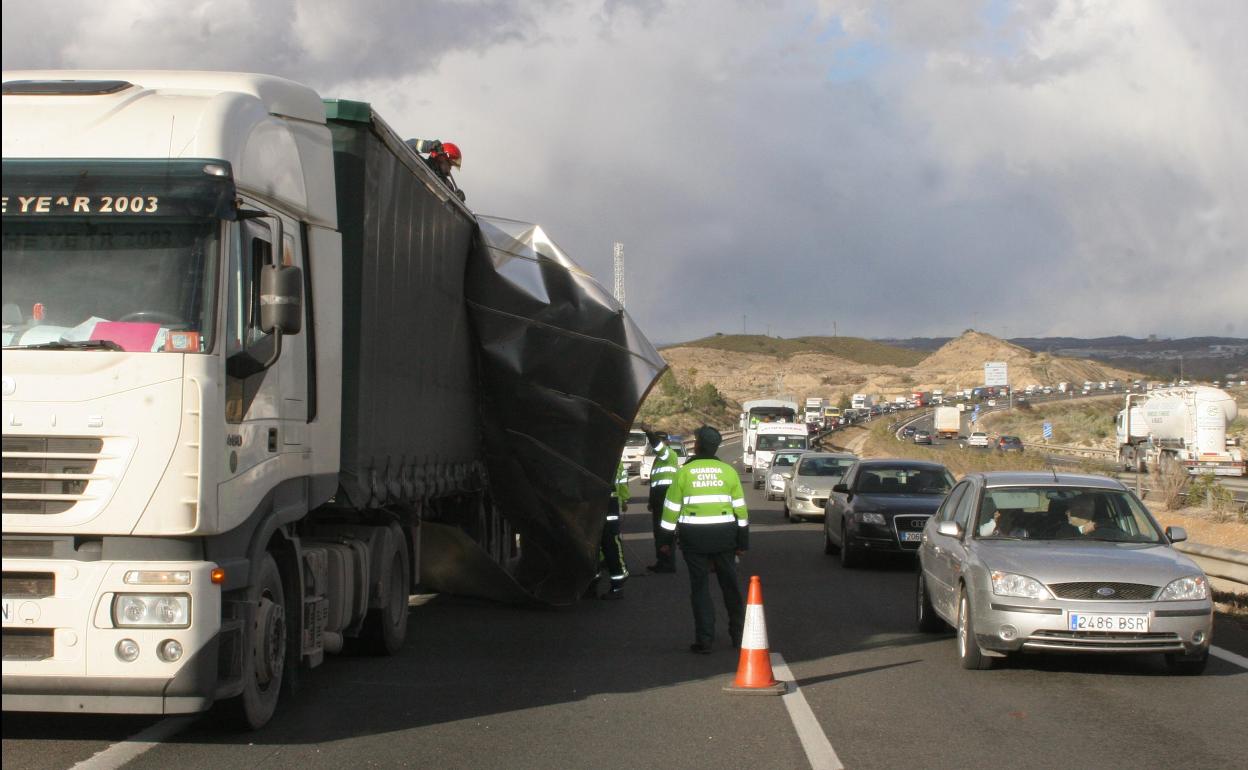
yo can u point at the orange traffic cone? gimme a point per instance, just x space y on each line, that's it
754 676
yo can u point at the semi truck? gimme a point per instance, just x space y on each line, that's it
1172 428
758 412
947 421
264 372
861 401
813 411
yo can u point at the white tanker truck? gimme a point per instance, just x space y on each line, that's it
1179 427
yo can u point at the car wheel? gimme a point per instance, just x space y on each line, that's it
928 621
1187 665
969 654
850 557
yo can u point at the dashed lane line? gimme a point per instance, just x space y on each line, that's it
136 745
815 743
1228 656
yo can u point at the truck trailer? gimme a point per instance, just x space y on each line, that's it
264 373
1180 427
947 421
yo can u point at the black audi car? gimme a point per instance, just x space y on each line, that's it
881 506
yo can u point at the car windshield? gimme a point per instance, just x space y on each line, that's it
785 459
834 467
772 443
1065 513
904 481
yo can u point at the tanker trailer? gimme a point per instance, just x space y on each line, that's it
1180 427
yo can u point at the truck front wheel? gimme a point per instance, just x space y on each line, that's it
264 651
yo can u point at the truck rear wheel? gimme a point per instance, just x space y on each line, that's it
385 627
264 651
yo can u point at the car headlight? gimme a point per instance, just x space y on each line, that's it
802 489
152 610
776 478
1188 589
872 518
1009 584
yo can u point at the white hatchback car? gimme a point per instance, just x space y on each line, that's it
978 438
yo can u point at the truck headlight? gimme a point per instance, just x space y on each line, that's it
1009 584
152 610
1188 589
871 518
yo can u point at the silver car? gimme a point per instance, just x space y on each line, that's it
781 471
813 477
1049 562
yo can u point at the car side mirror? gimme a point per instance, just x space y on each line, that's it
840 488
1176 534
949 529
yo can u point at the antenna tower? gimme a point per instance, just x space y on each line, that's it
619 273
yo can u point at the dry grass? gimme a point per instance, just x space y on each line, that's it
1170 487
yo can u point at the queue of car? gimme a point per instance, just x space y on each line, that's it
1015 562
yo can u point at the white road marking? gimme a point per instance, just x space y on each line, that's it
1228 656
136 745
815 743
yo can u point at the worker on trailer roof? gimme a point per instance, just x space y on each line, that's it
442 157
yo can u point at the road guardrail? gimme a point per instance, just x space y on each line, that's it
1083 451
1227 568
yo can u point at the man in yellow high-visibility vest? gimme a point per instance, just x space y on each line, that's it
705 505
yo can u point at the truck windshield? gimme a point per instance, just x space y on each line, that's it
772 443
116 255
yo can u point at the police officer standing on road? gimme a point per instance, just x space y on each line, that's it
706 505
662 474
611 551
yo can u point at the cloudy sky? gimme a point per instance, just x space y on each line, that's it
1025 167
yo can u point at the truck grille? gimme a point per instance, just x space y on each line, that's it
27 643
48 474
1130 592
29 585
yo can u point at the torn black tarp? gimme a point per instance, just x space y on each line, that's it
563 370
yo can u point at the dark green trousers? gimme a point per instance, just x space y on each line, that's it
700 565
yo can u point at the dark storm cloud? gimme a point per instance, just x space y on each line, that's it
898 168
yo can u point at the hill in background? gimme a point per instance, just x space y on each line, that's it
854 349
741 367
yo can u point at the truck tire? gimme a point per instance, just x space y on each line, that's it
385 627
265 646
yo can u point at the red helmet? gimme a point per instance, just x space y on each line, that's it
452 153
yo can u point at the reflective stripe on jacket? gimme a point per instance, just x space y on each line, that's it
666 463
621 483
707 504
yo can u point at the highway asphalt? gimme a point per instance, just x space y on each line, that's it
611 685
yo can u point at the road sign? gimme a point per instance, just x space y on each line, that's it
996 374
1048 430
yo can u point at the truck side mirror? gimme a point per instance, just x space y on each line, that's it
281 301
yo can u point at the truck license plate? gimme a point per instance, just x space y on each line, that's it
1081 621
